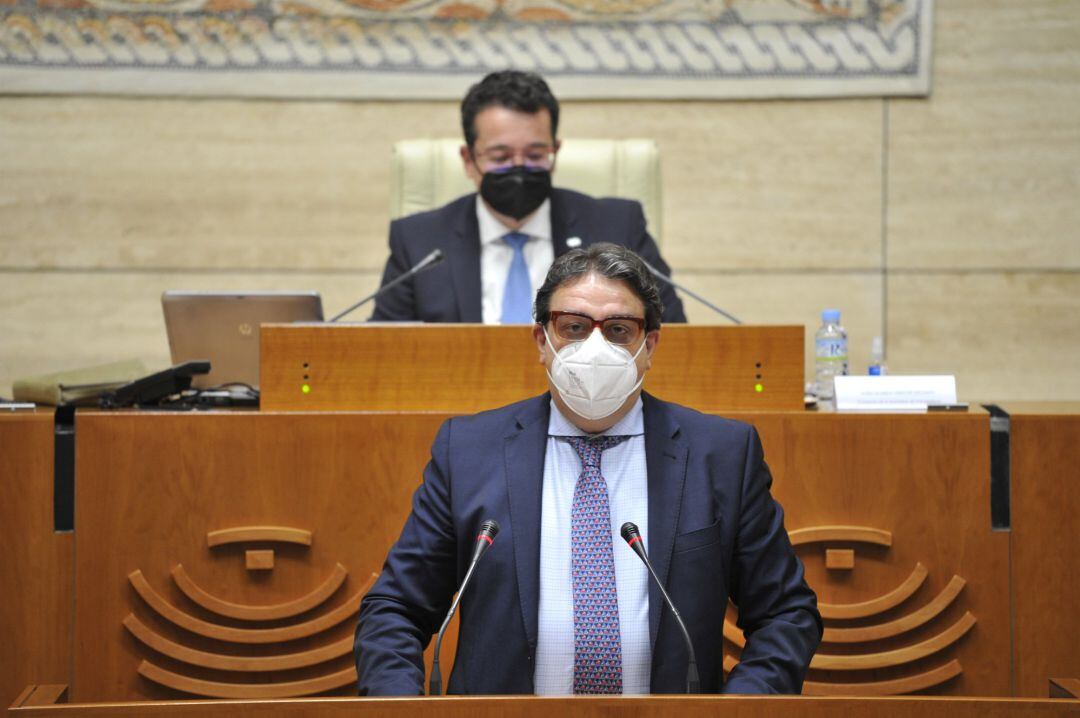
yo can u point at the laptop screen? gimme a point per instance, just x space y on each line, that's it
223 327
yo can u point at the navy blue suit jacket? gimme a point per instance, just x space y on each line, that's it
451 292
714 531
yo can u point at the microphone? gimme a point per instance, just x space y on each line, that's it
427 262
488 531
660 275
632 537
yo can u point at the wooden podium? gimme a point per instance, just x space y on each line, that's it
223 554
155 491
534 707
471 367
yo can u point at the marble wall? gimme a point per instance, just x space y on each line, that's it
946 225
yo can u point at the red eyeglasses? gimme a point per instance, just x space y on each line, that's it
574 327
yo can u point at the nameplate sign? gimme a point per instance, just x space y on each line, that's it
894 393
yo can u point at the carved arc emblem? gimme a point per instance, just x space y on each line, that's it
850 649
223 645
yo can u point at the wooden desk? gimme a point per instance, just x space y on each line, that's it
470 367
1045 504
35 563
152 488
923 479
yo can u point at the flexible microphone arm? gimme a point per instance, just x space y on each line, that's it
660 275
427 262
488 531
632 536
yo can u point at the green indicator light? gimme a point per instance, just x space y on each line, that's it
759 388
306 388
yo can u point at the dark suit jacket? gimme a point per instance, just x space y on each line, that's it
714 531
451 291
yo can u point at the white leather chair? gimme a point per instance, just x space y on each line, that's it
428 174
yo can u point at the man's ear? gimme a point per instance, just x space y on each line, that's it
471 170
540 339
651 340
555 159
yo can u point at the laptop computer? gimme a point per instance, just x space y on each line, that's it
223 327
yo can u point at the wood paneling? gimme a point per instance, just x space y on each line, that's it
151 487
923 479
577 707
35 562
1045 547
897 491
906 494
468 368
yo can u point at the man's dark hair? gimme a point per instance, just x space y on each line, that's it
512 89
607 260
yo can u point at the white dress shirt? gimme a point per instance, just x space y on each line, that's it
623 467
496 255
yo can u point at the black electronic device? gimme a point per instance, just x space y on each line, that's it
151 390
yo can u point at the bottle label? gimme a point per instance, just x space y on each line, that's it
831 350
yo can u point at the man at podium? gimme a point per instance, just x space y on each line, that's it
560 603
500 241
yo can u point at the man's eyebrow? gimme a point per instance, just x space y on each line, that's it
586 314
537 145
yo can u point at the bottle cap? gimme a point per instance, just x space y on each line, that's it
830 316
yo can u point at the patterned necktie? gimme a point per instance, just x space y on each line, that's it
517 293
597 643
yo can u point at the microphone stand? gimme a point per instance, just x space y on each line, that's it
660 275
429 261
632 536
488 531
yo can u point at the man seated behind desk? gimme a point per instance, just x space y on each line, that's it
560 604
499 243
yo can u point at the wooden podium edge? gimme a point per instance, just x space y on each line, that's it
588 706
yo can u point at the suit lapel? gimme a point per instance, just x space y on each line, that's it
665 461
464 259
525 447
563 220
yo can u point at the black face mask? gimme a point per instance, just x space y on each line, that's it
516 192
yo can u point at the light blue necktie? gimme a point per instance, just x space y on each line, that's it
517 294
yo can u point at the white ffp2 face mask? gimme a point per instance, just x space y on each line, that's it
594 377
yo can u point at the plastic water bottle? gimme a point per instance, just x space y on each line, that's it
831 356
877 358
